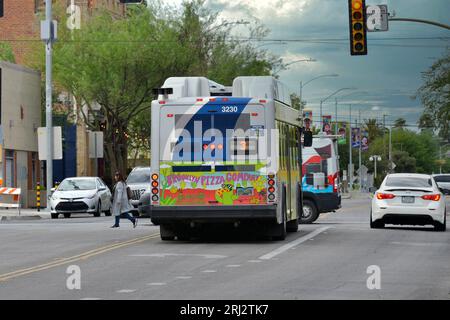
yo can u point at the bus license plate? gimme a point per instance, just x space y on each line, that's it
408 199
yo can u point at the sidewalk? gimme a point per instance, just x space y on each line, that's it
25 214
356 195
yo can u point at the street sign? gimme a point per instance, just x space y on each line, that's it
392 165
57 143
377 18
95 144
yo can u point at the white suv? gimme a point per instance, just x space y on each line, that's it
139 181
408 199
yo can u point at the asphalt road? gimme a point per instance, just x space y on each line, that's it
326 260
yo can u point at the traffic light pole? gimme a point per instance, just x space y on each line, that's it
434 23
48 100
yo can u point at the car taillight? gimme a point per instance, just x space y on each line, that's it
382 196
335 185
432 197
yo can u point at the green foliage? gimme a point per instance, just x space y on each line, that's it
6 53
117 61
435 95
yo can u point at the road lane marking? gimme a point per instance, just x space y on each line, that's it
156 284
292 244
126 291
233 266
91 299
163 255
254 261
183 277
209 271
82 256
421 244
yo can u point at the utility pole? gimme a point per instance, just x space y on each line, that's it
350 164
360 148
48 96
390 147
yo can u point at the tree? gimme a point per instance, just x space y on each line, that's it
426 122
117 61
373 129
400 123
435 94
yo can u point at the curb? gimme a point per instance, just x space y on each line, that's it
18 218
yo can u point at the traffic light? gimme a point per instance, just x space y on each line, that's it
358 31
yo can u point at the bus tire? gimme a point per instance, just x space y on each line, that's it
309 212
292 226
166 233
280 230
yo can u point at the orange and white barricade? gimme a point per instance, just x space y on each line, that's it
11 194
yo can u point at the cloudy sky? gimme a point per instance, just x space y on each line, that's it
386 79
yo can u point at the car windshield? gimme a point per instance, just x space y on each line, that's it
408 182
139 176
77 184
442 178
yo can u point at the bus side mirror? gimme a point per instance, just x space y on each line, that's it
307 138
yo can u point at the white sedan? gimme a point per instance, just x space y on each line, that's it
81 195
408 199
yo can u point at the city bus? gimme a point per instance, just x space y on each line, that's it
228 155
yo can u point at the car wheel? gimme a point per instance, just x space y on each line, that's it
376 224
310 212
67 215
55 216
99 210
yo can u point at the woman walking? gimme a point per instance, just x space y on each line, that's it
121 205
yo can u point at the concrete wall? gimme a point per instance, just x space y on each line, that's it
21 107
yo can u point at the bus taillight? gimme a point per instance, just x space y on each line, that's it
271 188
155 189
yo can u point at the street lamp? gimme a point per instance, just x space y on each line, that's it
323 100
375 158
301 60
318 77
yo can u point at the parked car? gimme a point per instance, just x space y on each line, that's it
408 199
443 182
81 195
139 181
144 207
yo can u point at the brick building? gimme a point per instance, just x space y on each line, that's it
20 23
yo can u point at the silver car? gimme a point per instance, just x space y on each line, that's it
139 181
81 195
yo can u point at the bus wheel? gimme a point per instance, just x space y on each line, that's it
279 230
166 233
310 213
292 226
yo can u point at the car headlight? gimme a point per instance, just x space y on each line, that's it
92 197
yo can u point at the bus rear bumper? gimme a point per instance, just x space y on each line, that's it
160 214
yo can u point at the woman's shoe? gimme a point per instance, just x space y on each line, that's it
114 226
135 223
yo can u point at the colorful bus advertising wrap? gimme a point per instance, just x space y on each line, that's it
211 188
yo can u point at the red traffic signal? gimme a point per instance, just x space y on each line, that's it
358 30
